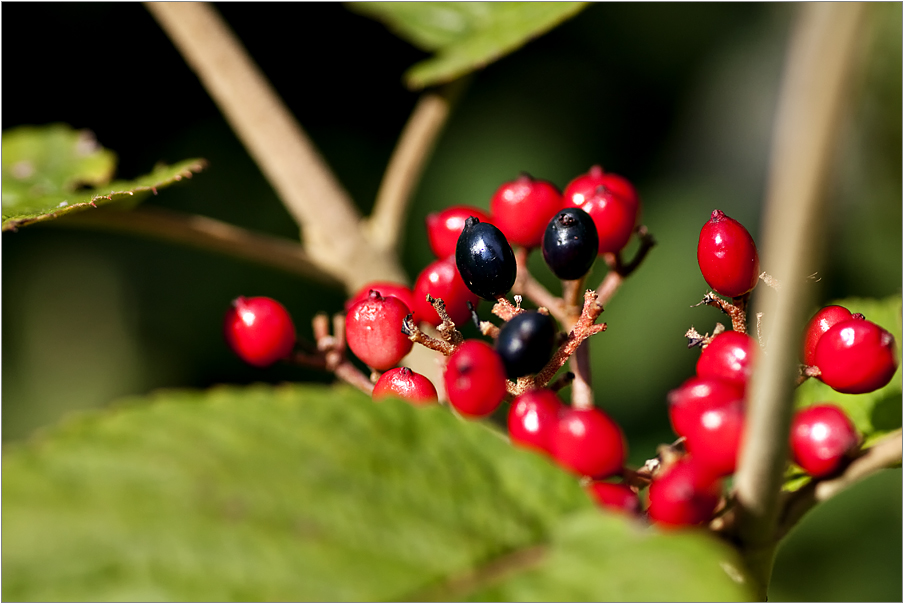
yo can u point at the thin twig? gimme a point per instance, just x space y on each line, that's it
276 142
207 234
819 63
416 143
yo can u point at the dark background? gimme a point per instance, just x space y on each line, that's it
677 97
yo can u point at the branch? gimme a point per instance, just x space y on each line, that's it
818 64
206 234
407 164
276 142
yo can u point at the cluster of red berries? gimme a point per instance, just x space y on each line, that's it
595 216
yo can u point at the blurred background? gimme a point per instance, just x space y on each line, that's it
679 98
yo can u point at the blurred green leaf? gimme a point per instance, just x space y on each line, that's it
303 493
50 171
465 36
874 413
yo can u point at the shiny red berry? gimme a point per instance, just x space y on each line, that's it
729 356
727 256
385 288
614 219
402 382
259 330
615 497
582 187
589 443
475 379
856 356
714 439
818 325
441 280
533 419
688 401
444 228
373 330
523 207
684 495
821 437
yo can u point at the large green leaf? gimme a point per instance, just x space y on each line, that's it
874 413
301 493
465 36
50 171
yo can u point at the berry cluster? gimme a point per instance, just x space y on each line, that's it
484 255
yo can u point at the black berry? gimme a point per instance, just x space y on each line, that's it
525 343
485 259
570 243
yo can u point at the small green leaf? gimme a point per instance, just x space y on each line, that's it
873 413
50 171
465 36
310 493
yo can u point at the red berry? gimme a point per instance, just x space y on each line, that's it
727 256
614 219
729 356
818 325
404 383
444 228
687 402
521 209
616 497
821 437
384 288
441 280
259 330
582 187
714 440
589 443
533 419
856 356
684 495
475 379
373 330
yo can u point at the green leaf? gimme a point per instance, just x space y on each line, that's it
303 493
465 36
50 171
874 413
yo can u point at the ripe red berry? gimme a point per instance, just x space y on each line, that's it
727 256
385 288
444 228
475 379
729 356
684 495
404 383
614 219
688 401
856 356
582 187
259 330
441 280
820 323
615 497
589 443
523 207
533 419
714 439
821 437
373 330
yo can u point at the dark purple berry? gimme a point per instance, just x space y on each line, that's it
525 343
570 243
485 259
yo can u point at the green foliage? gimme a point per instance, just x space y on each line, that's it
465 36
302 493
50 171
874 413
